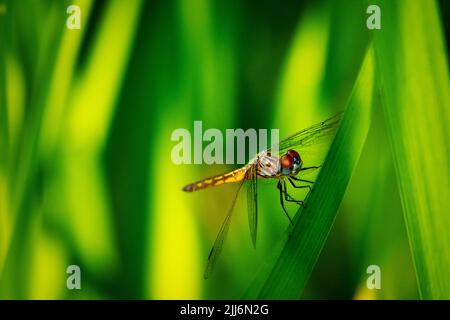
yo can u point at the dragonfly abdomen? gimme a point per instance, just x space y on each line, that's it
230 177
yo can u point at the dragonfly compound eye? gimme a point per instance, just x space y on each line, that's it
294 155
286 161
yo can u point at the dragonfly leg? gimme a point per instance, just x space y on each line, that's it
290 198
302 180
280 187
308 168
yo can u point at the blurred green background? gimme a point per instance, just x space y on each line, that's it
86 118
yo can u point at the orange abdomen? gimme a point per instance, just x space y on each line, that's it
230 177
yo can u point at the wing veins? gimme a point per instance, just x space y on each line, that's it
218 243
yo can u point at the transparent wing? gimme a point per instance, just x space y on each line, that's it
311 135
218 243
311 143
252 200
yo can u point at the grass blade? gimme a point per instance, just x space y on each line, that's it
292 268
416 95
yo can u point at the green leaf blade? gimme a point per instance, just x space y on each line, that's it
416 98
293 267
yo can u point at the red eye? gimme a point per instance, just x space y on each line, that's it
293 154
286 161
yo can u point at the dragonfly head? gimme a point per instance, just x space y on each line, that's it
290 163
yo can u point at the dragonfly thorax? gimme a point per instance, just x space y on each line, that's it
290 163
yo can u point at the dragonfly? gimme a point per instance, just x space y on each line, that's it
286 162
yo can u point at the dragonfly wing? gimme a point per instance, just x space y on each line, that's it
252 201
311 143
310 135
218 243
